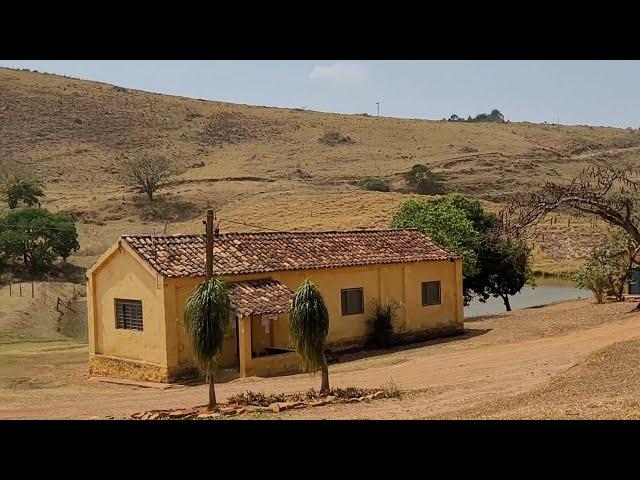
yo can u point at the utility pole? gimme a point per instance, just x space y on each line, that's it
209 237
378 105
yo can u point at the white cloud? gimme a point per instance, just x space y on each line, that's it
339 73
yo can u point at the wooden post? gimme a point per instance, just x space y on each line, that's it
32 293
20 284
209 235
10 282
209 258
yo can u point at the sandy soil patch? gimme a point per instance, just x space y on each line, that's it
498 358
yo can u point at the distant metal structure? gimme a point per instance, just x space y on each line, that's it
378 106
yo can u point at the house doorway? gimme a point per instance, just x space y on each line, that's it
634 281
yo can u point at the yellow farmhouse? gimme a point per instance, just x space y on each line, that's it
137 292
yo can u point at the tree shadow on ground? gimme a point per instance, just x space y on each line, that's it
222 376
373 351
229 374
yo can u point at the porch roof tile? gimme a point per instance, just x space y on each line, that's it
257 297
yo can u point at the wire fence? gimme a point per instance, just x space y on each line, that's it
41 294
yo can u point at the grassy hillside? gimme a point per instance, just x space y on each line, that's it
267 166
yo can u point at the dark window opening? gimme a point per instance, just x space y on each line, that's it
430 293
352 301
129 314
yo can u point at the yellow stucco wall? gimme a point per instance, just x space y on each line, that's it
122 276
179 352
400 282
164 340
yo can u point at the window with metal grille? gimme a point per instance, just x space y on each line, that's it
352 301
129 314
430 293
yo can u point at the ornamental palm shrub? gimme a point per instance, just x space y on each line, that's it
206 319
308 329
383 317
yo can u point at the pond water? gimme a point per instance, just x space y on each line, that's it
547 290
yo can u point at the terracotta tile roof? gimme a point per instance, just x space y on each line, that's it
256 297
242 253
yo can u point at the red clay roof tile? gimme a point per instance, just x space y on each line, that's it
257 297
242 253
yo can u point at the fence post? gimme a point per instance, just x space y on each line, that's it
32 292
10 283
20 288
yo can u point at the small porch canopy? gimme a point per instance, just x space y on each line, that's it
259 297
263 335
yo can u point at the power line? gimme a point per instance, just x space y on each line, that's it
249 225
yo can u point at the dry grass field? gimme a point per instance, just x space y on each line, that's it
267 166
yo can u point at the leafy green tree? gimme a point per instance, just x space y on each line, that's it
608 267
206 318
37 237
18 188
308 330
504 266
503 269
491 266
483 222
446 223
594 277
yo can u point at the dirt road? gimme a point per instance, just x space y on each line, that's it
498 357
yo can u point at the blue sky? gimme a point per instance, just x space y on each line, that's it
576 92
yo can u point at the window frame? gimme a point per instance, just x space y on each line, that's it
424 296
121 302
343 302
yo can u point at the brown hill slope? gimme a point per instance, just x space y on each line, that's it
266 166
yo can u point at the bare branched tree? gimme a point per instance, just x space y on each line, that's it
148 173
608 193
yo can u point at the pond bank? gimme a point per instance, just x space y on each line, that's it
546 290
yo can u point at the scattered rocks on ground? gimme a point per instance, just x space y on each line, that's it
254 403
180 414
208 415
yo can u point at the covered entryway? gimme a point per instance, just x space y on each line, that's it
262 309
